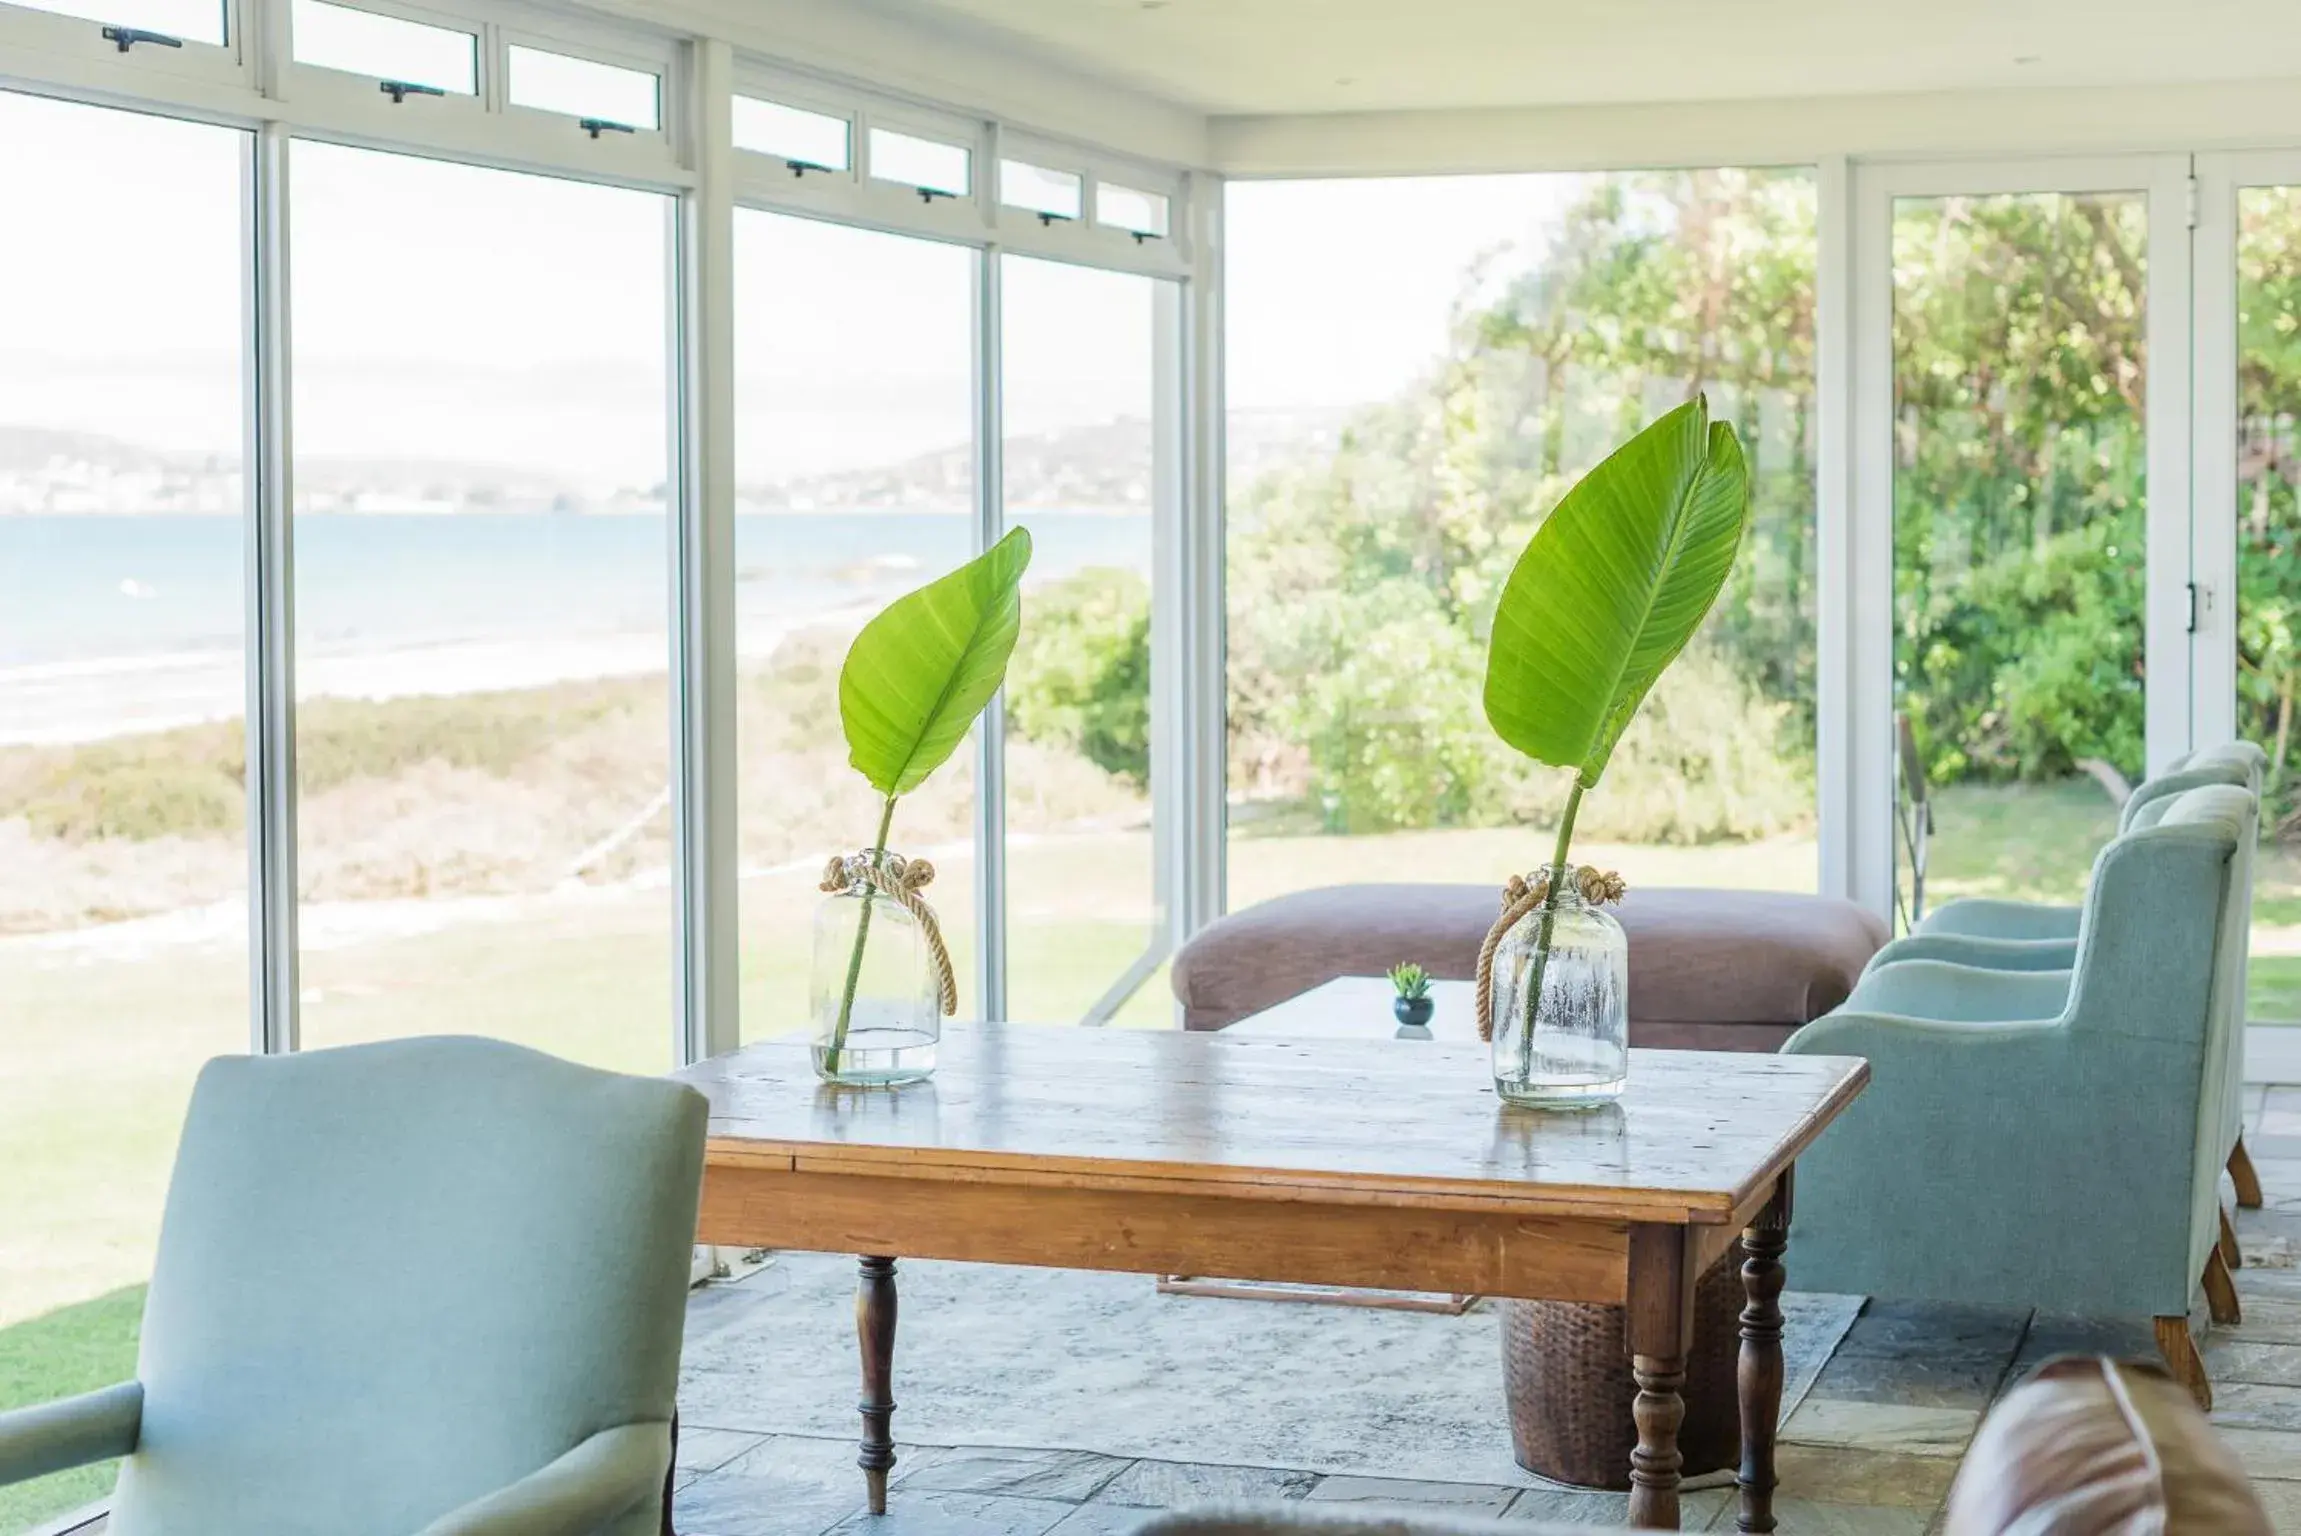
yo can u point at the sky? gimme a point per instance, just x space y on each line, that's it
447 312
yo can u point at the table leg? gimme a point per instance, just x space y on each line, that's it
875 1330
1758 1374
1660 1319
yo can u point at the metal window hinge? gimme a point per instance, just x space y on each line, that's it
595 126
2193 202
129 37
401 90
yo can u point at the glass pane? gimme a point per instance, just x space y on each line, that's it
1024 185
1504 333
123 853
1082 907
387 47
481 598
805 138
928 164
1145 213
554 82
854 398
2018 531
2269 573
195 21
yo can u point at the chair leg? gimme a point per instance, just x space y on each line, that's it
2231 1254
2242 1175
2221 1291
2179 1348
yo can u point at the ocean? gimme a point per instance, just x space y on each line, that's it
115 623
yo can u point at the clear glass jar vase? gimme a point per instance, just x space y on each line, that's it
1562 1017
875 1002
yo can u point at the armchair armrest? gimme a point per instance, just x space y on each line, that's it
584 1489
52 1437
1989 918
1939 990
1971 949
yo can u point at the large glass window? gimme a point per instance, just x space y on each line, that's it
1083 907
855 468
482 583
2019 529
1405 405
123 855
2269 573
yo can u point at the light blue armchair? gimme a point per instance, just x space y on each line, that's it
2047 1139
430 1286
2026 922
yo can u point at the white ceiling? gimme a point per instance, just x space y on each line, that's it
1292 56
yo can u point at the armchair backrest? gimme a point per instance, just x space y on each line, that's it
2152 946
2235 762
393 1278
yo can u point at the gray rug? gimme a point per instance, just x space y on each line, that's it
1071 1360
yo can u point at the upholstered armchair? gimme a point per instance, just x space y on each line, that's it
2041 1139
431 1286
2032 936
2034 922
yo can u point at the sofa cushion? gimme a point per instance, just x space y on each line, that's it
2087 1447
1709 969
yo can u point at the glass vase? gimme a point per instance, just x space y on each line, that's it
1561 1007
876 1008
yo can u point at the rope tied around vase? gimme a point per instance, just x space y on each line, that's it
899 880
1522 895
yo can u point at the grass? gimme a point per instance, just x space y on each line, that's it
61 1354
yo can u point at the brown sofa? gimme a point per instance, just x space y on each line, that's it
1709 969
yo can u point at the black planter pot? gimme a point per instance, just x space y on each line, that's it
1413 1012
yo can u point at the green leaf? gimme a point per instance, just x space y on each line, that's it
1612 586
922 670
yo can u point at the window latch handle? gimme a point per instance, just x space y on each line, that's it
128 37
595 126
401 90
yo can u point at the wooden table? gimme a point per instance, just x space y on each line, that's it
1339 1162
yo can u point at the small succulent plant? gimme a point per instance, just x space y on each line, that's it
1411 980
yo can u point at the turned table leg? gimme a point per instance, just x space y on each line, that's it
875 1330
1758 1374
1660 1318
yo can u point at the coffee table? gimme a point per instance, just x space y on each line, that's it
1343 1162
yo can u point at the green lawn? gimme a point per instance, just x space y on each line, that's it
61 1354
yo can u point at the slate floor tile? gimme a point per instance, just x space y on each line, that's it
1101 1520
1482 1500
1881 1427
923 1513
1840 1475
1696 1510
2273 1453
2283 1502
2253 1405
1166 1484
1803 1517
2234 1357
1072 1476
707 1450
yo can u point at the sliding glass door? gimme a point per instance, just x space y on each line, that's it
2248 523
2022 515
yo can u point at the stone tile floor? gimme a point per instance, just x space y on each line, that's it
1870 1452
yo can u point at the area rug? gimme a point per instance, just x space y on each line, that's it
1072 1360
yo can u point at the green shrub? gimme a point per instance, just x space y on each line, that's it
1081 672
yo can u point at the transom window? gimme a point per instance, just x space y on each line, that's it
191 21
937 169
1141 214
411 55
603 96
807 141
1050 194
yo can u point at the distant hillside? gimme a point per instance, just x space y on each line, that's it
1104 466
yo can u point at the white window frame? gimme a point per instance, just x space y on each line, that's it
351 95
42 47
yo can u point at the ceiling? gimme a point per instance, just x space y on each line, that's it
1291 56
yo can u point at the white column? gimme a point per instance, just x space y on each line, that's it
707 1001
